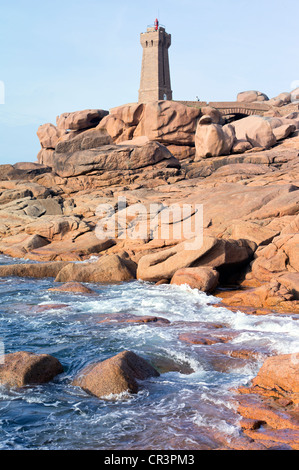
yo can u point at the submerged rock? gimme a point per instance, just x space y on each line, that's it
128 318
75 287
116 375
202 337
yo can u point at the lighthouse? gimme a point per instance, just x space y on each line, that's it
155 73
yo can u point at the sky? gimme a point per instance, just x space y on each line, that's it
63 56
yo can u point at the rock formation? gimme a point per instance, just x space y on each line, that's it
25 368
242 170
269 406
204 279
117 375
50 212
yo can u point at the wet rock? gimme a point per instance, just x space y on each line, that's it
200 324
201 337
75 287
26 368
240 352
283 438
116 375
251 424
226 364
247 443
271 423
47 307
252 407
202 278
138 319
162 281
168 364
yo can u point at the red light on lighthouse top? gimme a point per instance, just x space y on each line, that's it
156 24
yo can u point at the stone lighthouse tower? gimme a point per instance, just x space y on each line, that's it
155 74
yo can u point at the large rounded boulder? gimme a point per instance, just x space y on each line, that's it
26 368
114 376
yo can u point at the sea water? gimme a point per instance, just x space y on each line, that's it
188 406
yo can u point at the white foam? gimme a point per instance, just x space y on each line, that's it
220 425
183 357
203 398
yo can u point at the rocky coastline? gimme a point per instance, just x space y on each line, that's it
245 175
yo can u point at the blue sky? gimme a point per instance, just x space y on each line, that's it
65 56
